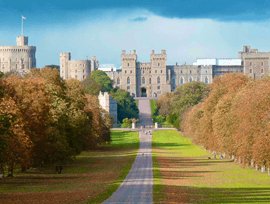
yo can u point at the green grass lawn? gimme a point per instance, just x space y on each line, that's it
92 177
183 173
153 105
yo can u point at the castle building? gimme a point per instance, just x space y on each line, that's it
20 58
76 69
107 103
256 64
143 78
154 78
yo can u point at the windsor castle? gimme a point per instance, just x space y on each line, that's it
141 79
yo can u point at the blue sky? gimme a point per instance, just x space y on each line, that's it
187 29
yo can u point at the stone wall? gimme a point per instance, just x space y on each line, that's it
107 103
76 69
20 58
256 64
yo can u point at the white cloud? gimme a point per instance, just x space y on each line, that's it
105 35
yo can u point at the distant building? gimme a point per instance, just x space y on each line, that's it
151 79
256 64
221 66
108 104
107 67
20 58
76 69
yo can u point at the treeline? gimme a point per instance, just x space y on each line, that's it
171 106
230 117
47 121
234 120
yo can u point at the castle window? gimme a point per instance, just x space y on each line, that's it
206 80
130 71
150 71
158 64
128 87
83 70
250 63
155 71
262 71
181 80
128 64
262 63
125 71
143 80
158 87
181 71
118 81
250 71
158 80
128 80
149 80
161 71
190 71
190 79
83 76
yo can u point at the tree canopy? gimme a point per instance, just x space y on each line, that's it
126 105
173 105
45 120
97 81
234 119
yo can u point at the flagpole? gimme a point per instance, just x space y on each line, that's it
22 27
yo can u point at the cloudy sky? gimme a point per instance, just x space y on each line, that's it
187 29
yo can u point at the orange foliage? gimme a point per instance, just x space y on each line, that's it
234 119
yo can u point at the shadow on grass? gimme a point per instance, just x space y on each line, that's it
169 144
183 194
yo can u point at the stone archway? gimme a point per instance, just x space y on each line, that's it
143 92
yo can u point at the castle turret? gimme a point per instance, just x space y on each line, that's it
65 57
22 40
129 64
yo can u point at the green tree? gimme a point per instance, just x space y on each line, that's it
96 82
126 105
184 97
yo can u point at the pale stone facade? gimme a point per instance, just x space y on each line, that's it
151 79
20 58
107 103
256 64
76 69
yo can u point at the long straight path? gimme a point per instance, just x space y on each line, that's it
138 185
145 112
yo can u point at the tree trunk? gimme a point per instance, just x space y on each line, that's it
10 170
2 171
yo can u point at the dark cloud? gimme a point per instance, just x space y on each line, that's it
222 10
139 19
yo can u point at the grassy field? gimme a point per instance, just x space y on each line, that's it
153 105
91 178
184 174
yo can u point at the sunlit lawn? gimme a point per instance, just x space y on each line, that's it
183 173
91 178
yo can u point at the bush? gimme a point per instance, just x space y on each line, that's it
126 123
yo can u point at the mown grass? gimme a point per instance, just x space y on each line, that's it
185 174
153 105
91 178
